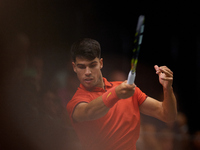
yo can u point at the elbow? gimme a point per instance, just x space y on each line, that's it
170 118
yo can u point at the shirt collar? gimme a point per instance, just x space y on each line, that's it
99 89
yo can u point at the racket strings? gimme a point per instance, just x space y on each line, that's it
137 43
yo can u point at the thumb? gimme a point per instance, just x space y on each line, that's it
157 69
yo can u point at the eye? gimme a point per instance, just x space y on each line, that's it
81 66
93 65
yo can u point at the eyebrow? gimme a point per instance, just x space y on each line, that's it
88 64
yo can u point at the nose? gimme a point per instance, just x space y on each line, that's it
87 71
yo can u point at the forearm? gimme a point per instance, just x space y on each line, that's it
90 111
96 109
100 106
169 105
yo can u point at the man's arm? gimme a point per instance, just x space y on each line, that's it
166 110
90 111
97 108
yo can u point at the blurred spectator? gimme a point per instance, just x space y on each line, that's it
181 133
51 105
34 71
181 122
196 141
55 131
15 96
31 118
117 75
166 139
14 53
148 139
66 92
155 134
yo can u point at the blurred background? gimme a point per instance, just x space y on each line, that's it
37 79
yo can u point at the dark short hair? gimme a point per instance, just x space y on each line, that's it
86 48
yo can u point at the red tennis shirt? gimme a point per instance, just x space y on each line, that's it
118 129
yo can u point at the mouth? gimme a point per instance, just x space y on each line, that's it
88 80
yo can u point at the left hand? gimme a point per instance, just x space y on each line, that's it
165 76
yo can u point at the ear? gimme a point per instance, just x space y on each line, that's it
101 63
74 66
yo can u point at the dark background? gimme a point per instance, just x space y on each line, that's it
171 37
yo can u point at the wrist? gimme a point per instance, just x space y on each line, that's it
110 98
117 91
170 88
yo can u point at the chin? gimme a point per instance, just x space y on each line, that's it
89 87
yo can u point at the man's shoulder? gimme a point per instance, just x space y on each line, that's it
80 93
80 96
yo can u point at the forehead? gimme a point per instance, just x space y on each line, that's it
85 61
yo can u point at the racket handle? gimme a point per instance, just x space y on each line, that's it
131 77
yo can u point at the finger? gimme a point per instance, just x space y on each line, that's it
157 69
158 72
166 68
167 72
167 78
131 85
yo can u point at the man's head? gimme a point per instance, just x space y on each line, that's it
87 63
86 48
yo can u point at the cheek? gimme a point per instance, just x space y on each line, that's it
97 72
80 74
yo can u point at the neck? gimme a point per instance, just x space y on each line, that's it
100 83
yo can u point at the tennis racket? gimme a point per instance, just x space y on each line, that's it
137 43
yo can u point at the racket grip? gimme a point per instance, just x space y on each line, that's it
131 77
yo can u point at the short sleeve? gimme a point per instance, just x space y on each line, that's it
141 96
77 98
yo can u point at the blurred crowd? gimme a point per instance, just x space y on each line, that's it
33 105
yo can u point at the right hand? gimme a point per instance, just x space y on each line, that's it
125 90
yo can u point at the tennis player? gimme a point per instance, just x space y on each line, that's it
106 115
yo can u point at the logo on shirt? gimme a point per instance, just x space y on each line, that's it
108 95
